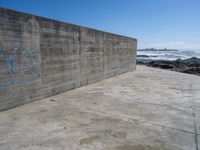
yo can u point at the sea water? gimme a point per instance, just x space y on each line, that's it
169 55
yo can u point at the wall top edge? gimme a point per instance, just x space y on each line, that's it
61 22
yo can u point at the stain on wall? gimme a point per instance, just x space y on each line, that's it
40 57
11 83
10 63
1 53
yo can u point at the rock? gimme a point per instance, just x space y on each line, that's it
195 71
144 56
164 64
143 61
194 61
191 65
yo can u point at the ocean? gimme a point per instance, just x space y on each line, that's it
168 55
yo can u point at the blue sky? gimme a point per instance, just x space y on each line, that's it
155 23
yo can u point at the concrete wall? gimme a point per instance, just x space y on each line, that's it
40 57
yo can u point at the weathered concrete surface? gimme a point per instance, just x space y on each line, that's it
148 109
41 57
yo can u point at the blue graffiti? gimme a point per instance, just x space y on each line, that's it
10 63
2 86
14 82
24 65
17 43
11 83
27 52
1 53
10 57
34 67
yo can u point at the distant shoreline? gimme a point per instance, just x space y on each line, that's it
152 49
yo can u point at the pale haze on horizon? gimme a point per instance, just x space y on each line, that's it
173 24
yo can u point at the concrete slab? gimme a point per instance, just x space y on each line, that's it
147 109
41 57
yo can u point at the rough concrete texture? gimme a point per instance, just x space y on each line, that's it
147 109
40 57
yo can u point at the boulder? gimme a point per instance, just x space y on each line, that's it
191 65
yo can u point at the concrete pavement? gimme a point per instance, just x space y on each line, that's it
147 109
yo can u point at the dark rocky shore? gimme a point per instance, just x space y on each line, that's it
191 66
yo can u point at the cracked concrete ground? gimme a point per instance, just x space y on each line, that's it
147 109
